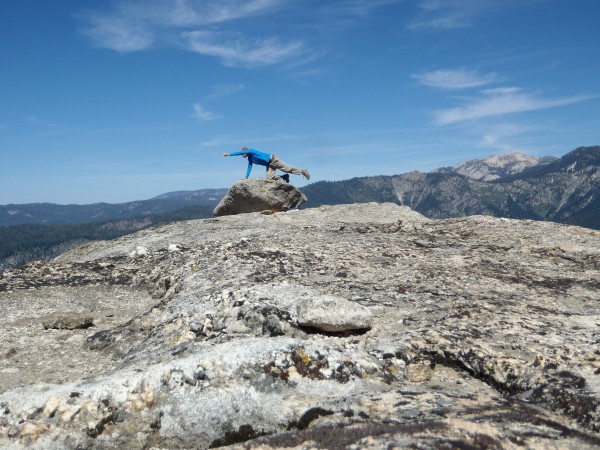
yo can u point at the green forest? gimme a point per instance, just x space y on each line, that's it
20 244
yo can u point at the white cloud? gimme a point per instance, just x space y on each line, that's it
498 102
505 137
136 25
449 14
495 142
202 114
118 33
233 49
240 33
225 141
455 78
225 90
353 7
185 13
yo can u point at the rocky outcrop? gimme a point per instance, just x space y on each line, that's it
254 195
463 333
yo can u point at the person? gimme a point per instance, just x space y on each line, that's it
271 162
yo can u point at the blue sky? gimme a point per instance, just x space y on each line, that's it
123 100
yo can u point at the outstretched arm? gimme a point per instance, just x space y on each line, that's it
242 153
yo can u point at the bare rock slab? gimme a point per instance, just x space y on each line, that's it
253 195
333 314
484 334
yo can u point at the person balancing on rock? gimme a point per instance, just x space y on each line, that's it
271 162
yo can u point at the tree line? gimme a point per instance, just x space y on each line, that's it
20 244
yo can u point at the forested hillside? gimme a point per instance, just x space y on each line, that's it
50 213
20 244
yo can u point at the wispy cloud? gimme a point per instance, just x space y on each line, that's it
455 78
495 142
225 141
135 25
122 34
501 101
240 33
184 13
203 114
222 90
507 137
225 90
353 7
37 121
449 14
236 50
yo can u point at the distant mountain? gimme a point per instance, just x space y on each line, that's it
565 190
50 213
364 189
202 196
495 167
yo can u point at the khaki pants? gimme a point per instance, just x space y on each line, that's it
277 163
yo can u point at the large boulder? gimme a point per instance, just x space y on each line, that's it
254 195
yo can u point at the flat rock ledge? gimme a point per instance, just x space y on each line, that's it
254 195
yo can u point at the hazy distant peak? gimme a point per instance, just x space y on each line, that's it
496 166
510 159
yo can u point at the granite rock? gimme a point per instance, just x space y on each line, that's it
254 195
334 314
482 334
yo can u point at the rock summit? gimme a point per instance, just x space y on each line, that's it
361 326
254 195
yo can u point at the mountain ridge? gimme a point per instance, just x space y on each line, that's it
566 190
501 168
52 213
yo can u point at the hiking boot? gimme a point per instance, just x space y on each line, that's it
306 174
286 177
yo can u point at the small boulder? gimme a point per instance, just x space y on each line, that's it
254 195
333 314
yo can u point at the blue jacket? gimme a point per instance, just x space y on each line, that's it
254 157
